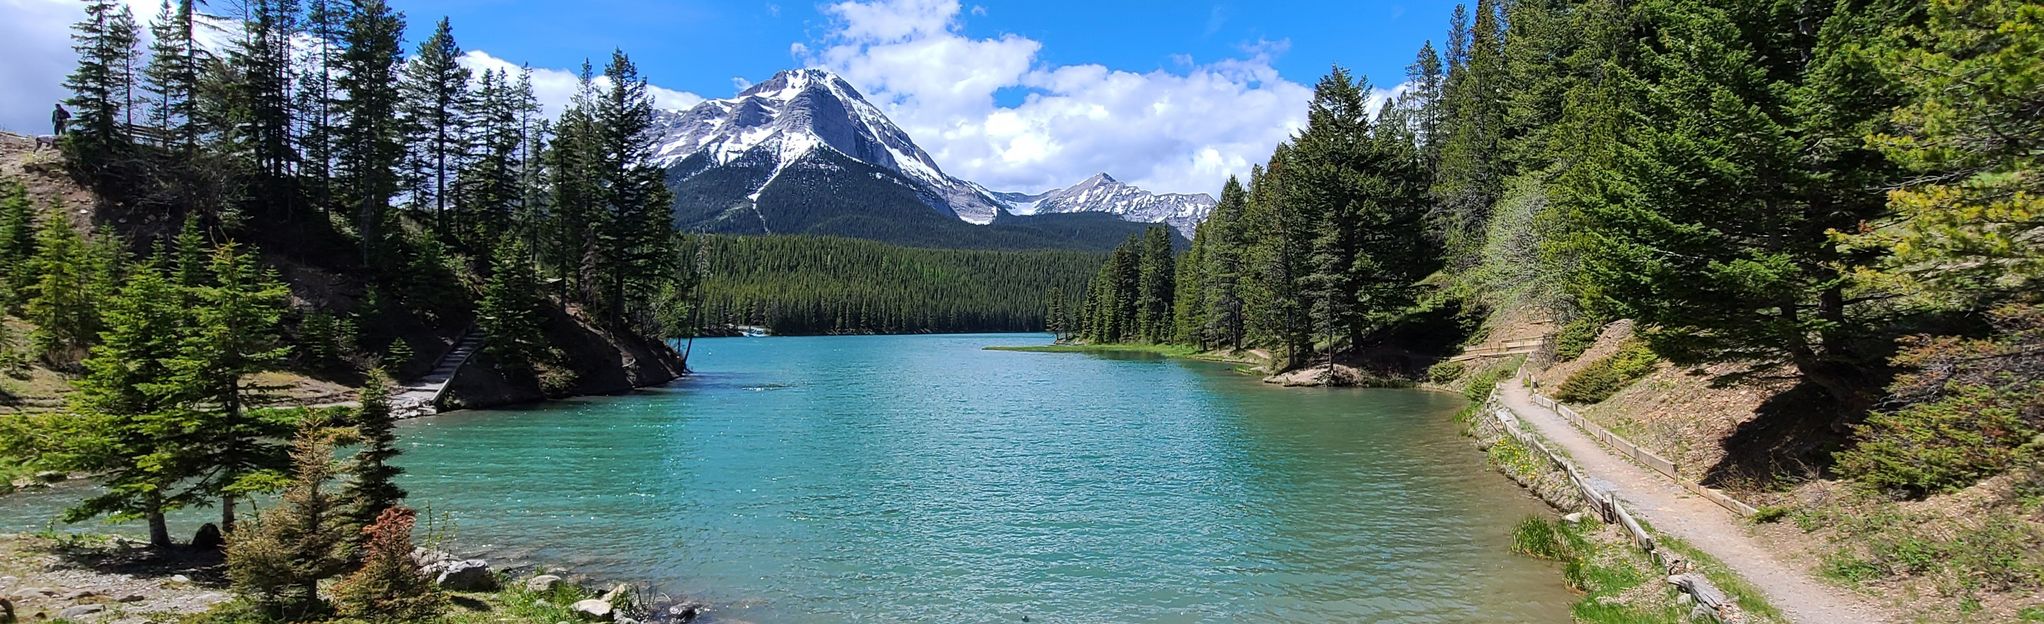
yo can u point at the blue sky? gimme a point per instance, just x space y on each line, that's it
1018 95
699 45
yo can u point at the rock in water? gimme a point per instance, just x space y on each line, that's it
208 537
465 575
685 611
542 584
593 609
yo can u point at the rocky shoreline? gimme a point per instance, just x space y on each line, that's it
117 580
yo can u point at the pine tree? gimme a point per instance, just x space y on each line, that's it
103 85
72 278
1469 177
17 244
318 108
367 144
510 311
434 90
1427 82
635 226
1275 300
1154 286
171 78
279 562
1711 218
262 60
232 337
374 489
1968 127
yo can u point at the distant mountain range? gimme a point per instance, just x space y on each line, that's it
805 153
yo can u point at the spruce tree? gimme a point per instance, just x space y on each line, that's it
572 168
103 85
510 311
233 336
1154 286
1711 218
634 228
434 89
368 151
317 105
126 427
1188 304
1224 258
72 278
17 244
373 488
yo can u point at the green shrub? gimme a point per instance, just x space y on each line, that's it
1576 337
1603 378
1445 372
1945 445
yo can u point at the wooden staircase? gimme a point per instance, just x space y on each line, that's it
421 397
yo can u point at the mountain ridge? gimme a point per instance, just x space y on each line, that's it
726 157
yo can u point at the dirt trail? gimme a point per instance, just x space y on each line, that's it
1675 511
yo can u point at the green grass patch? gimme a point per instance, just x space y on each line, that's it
1487 379
1514 458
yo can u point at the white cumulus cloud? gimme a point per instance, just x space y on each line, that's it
1183 130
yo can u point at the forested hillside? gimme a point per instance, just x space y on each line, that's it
1826 212
818 285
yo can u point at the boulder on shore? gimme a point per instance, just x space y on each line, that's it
73 613
208 537
542 584
594 609
463 575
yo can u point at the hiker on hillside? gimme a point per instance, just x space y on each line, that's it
60 118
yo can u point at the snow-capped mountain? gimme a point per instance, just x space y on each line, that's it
805 152
792 114
1104 194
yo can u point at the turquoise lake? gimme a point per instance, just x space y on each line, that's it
923 479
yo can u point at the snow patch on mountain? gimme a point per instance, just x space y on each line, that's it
784 119
1102 193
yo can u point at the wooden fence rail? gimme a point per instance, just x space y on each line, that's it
1607 505
1644 457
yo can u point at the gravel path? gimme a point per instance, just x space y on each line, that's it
1675 511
